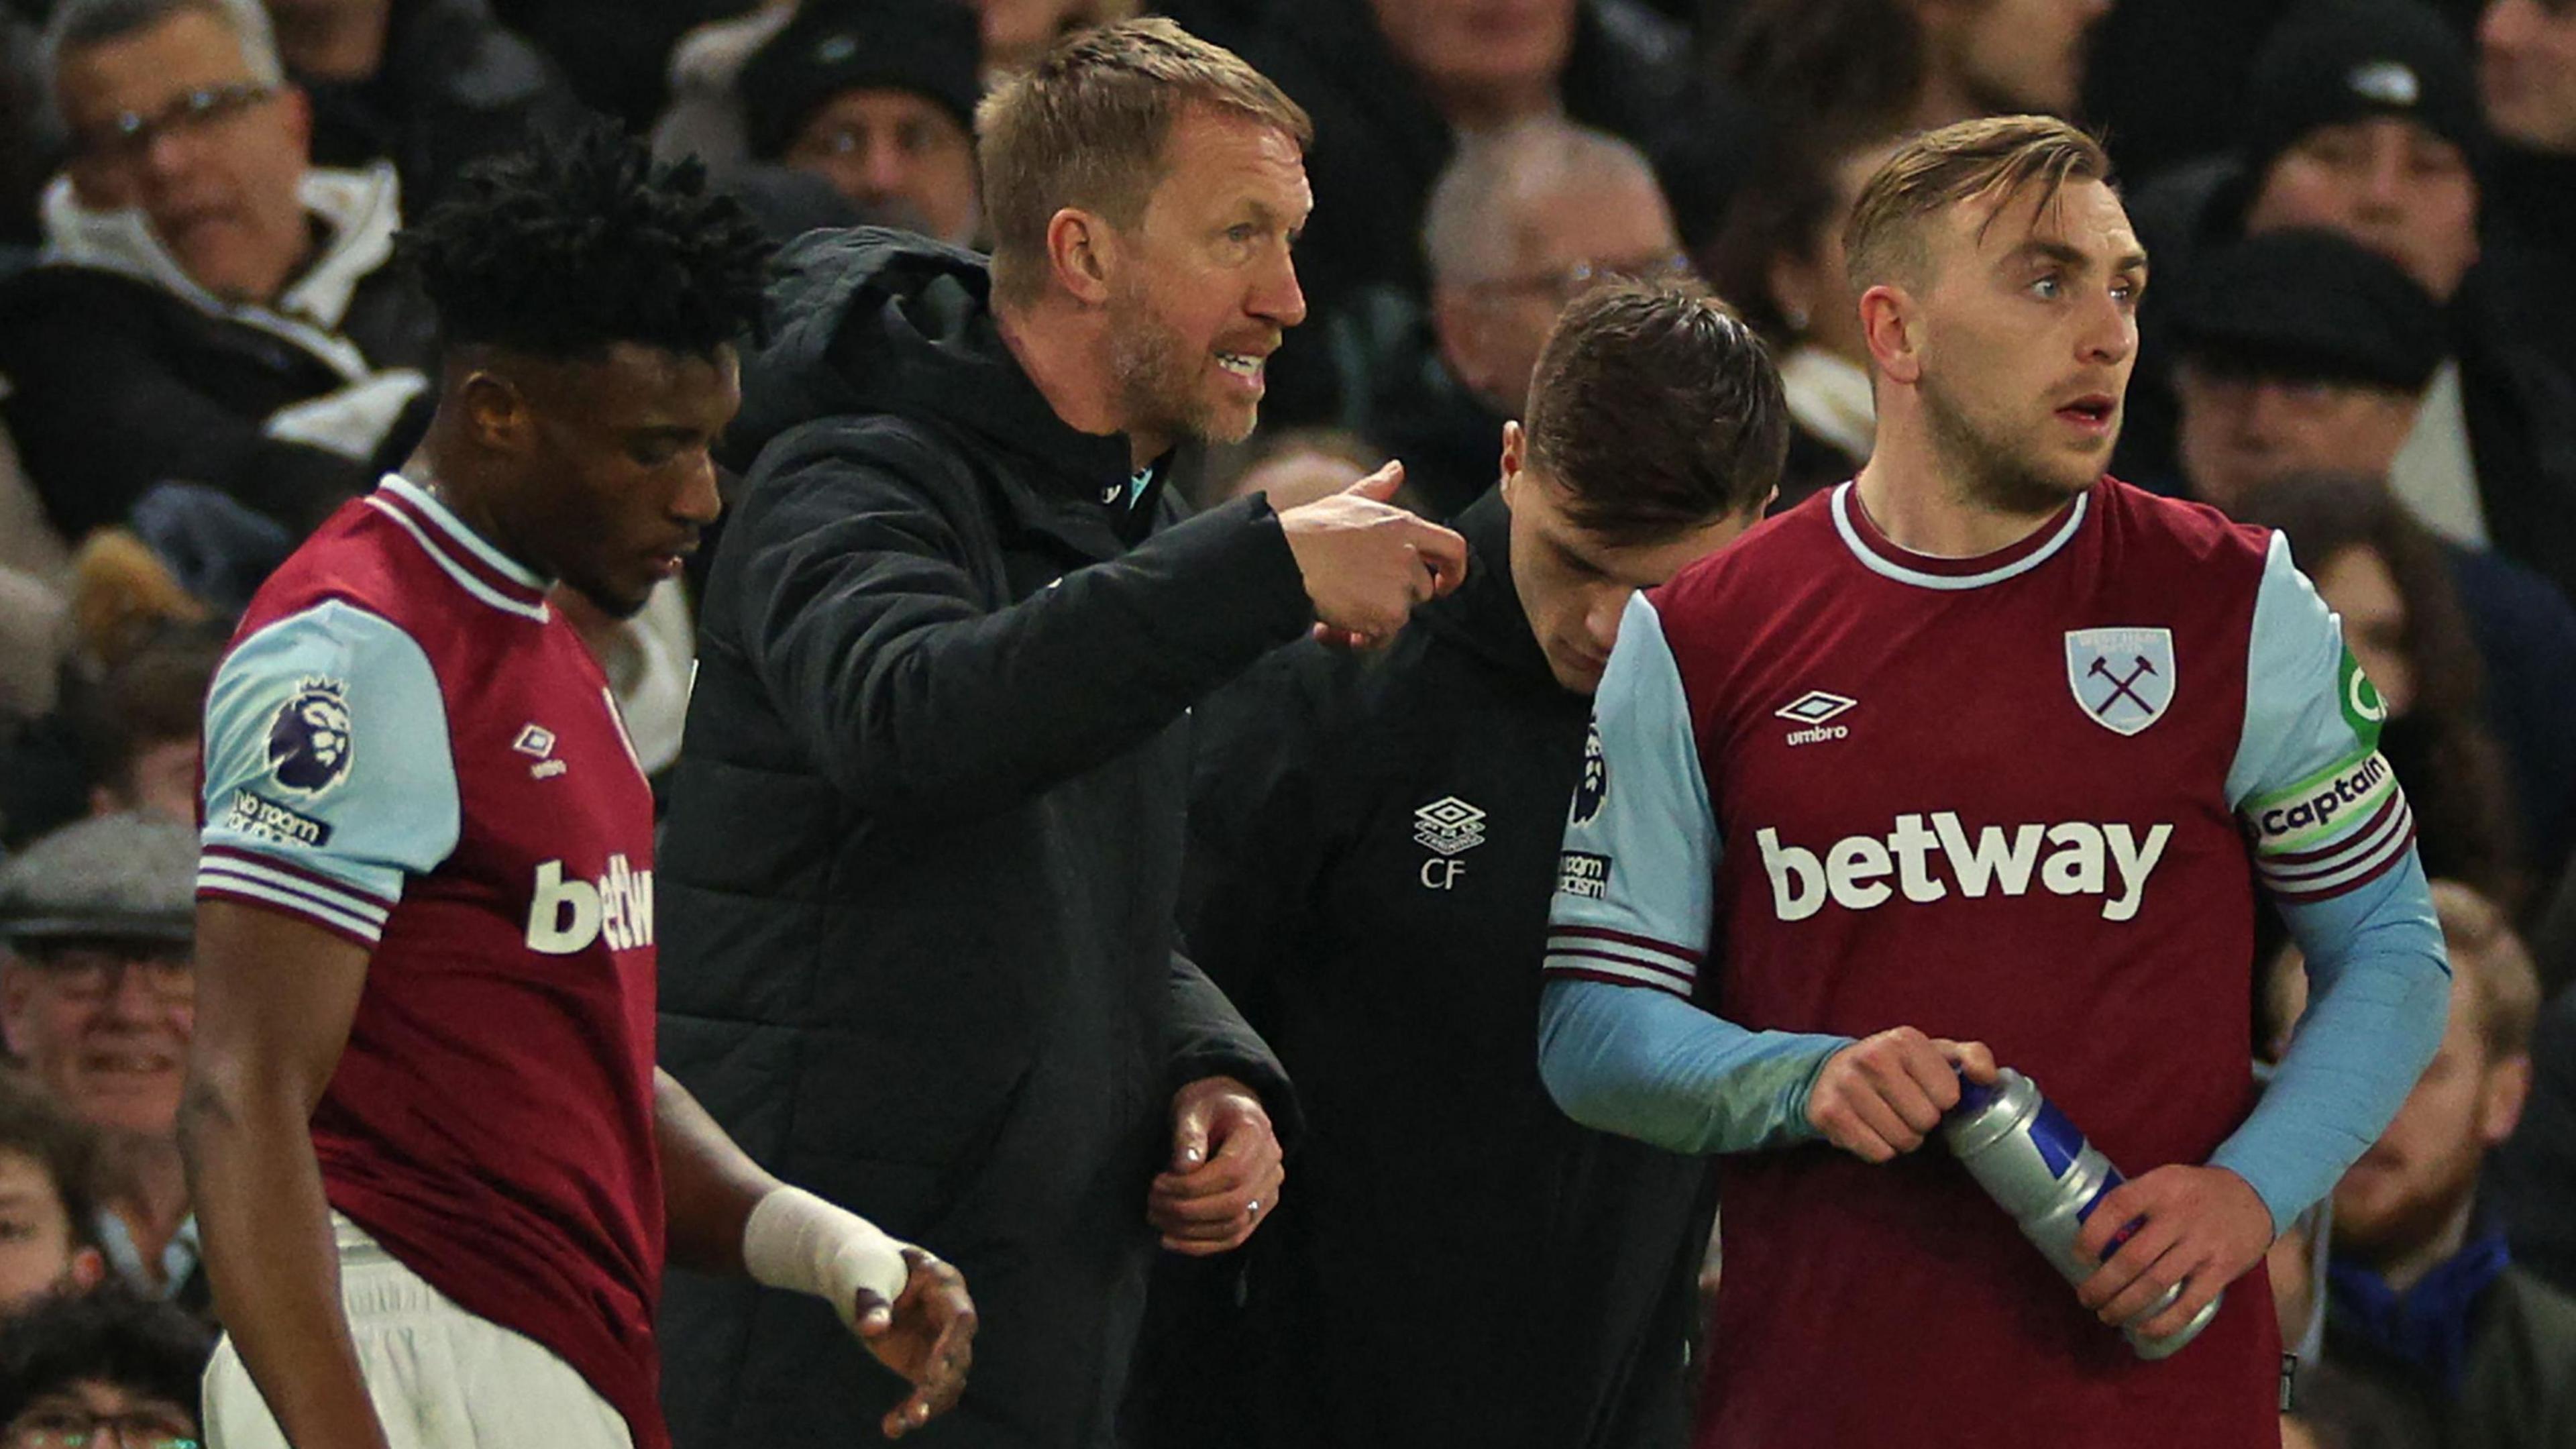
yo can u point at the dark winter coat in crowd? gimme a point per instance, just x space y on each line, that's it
2165 80
2517 390
1451 443
1380 146
2529 221
2526 637
2528 1179
454 87
2479 1347
922 861
1374 844
123 373
616 53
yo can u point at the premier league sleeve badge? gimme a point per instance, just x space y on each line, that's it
309 743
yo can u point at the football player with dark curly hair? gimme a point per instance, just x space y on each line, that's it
437 1171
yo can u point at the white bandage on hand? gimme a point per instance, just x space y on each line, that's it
799 1242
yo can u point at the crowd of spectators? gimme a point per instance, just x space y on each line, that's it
2361 218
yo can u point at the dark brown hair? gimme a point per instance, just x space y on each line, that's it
1782 211
37 1127
152 697
1994 156
1657 409
2463 807
1087 126
1802 62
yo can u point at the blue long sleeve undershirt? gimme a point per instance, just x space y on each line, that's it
1651 1066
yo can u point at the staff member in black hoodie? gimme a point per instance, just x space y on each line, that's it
925 837
1373 847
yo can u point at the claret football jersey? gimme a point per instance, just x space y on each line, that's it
406 746
2024 799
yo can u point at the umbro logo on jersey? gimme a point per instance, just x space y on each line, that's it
2077 858
1812 709
538 743
568 915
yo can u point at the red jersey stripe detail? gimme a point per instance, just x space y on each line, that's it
439 535
1579 973
1648 943
226 891
324 882
1561 953
2397 820
2386 863
2050 534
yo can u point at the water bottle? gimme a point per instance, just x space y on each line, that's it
2038 1168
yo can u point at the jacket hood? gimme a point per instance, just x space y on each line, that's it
869 320
359 208
1484 616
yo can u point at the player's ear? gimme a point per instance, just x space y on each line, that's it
495 410
1889 323
1515 457
1081 249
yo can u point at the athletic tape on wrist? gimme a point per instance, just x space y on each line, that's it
799 1242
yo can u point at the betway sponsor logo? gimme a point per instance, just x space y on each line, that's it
567 915
2313 809
1929 858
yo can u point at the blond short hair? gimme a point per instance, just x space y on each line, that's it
1088 125
2501 976
1993 156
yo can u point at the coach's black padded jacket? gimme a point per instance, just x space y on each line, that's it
919 874
1374 845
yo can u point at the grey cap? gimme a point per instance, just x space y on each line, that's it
125 877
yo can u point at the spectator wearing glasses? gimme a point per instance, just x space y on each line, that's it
99 1001
1521 221
214 309
106 1371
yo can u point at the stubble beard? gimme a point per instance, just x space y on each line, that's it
1989 470
2409 1221
1157 381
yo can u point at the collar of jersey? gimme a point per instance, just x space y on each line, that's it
1882 555
482 570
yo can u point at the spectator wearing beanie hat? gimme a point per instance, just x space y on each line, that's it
2298 351
2362 119
877 97
2303 354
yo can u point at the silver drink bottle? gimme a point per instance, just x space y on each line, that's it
2038 1168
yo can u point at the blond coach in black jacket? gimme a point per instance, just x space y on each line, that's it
925 838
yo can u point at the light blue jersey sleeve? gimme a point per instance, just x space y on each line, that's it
2333 844
329 777
1621 1047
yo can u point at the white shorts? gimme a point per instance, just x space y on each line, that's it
441 1378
